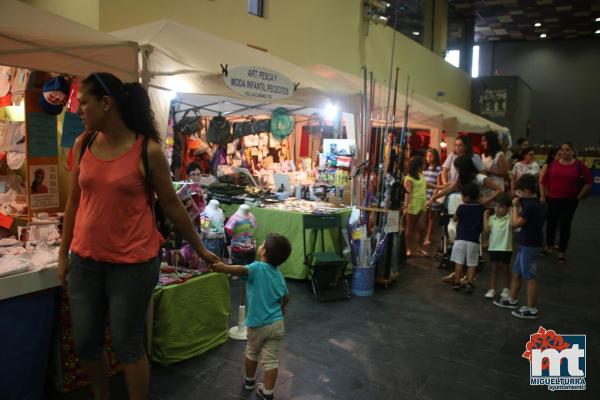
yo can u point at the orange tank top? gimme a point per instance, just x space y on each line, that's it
114 222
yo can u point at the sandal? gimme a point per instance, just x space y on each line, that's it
562 260
423 253
427 242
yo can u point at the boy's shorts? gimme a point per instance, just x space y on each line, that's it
465 253
524 264
263 342
503 257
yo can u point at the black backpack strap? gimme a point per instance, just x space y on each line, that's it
87 142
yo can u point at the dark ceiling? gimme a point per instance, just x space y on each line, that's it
502 20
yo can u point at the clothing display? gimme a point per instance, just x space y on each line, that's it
241 226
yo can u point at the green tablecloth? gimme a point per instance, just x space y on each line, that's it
190 318
288 224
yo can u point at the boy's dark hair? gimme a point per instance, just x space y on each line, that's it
470 190
503 200
414 164
521 140
192 167
277 249
528 182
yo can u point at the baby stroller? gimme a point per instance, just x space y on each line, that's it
441 259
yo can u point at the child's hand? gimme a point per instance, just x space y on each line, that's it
218 266
486 213
515 202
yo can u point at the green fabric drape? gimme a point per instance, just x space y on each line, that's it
190 318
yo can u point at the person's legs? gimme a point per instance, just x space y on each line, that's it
494 277
270 355
410 233
421 229
458 269
568 208
252 352
504 267
431 216
532 293
552 216
515 286
88 305
129 289
471 274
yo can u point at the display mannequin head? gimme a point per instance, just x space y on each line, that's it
243 210
213 204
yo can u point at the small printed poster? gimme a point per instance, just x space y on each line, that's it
493 102
43 187
393 221
72 128
41 137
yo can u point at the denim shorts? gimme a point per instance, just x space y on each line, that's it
120 290
524 264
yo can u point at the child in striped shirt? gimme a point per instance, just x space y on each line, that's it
432 174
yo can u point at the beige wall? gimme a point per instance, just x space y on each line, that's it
86 12
303 32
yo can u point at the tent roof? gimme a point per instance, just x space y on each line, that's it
187 60
423 110
36 39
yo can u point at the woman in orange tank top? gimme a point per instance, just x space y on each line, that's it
109 229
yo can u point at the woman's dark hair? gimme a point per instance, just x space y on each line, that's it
552 155
192 167
34 183
414 164
466 170
436 156
467 142
493 144
132 101
277 249
524 153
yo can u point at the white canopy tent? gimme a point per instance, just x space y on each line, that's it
423 111
39 40
181 59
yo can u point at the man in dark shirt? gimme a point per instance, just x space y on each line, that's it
465 250
527 215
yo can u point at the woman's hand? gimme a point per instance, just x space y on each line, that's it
210 258
63 268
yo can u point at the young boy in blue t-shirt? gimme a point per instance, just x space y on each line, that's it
267 296
528 216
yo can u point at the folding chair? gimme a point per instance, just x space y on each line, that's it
326 268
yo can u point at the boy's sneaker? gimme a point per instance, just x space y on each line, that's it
505 292
456 286
526 313
490 294
249 384
469 288
506 303
448 278
260 391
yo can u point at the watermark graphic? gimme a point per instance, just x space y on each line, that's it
557 361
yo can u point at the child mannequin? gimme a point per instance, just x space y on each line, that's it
212 229
241 227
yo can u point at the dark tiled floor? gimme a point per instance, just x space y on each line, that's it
415 340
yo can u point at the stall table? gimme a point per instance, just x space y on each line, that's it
190 318
288 224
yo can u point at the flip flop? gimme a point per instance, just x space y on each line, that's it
423 253
562 260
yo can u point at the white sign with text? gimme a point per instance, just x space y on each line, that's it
260 83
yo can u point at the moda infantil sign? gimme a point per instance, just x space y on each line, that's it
260 83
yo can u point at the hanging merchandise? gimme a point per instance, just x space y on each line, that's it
188 125
6 76
73 101
19 85
219 158
54 95
282 123
219 131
